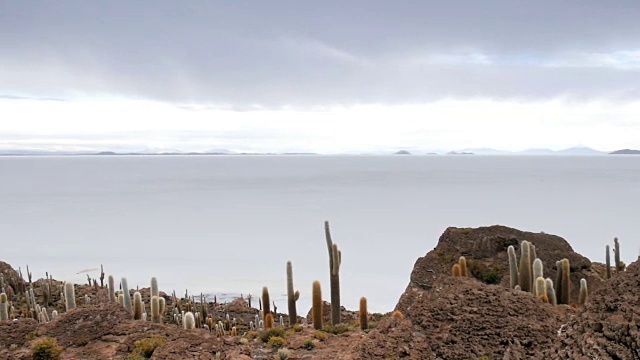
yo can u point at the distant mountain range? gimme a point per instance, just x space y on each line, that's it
578 150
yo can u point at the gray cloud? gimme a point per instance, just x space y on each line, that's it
246 55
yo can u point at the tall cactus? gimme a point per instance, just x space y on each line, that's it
112 290
540 287
316 310
4 307
566 282
584 292
292 296
616 250
364 316
265 302
335 260
524 271
513 267
608 260
126 296
137 306
537 269
463 266
69 296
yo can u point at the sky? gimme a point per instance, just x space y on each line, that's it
329 77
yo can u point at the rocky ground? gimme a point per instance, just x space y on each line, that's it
439 316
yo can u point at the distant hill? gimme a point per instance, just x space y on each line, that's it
402 152
626 152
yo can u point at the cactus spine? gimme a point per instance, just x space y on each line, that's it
608 261
463 266
584 292
292 296
112 290
189 321
335 260
524 271
69 296
316 310
126 296
137 306
551 293
565 286
616 251
265 302
513 267
4 311
364 319
155 309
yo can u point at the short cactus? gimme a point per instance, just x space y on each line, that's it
137 306
540 287
292 296
189 321
316 312
69 296
456 270
127 296
268 321
524 270
397 314
112 290
163 305
364 316
463 266
4 307
584 292
513 267
537 269
551 293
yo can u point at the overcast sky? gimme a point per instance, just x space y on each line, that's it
327 76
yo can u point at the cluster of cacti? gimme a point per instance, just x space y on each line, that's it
460 268
619 265
527 275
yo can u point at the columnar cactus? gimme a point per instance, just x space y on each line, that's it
551 293
584 292
513 267
540 287
268 321
265 301
112 289
137 306
524 271
69 296
163 304
155 310
608 261
154 287
189 321
364 316
456 270
616 251
126 296
565 286
292 296
4 307
335 260
537 269
463 266
316 310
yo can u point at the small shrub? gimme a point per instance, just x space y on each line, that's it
82 340
146 347
487 274
30 336
135 357
284 353
320 335
266 335
244 341
276 342
46 349
253 334
308 344
336 329
297 328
